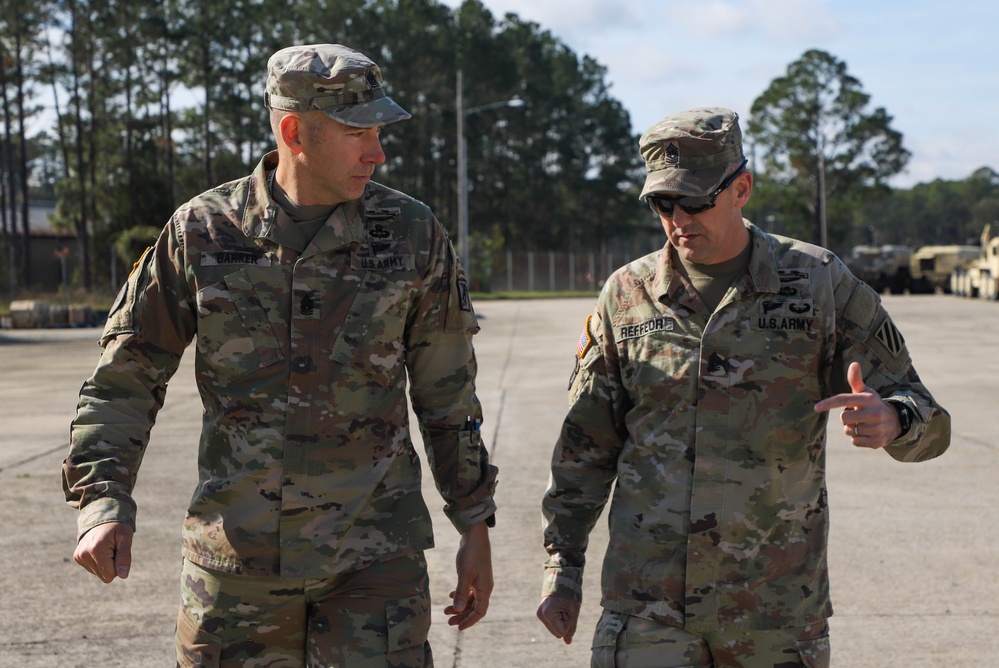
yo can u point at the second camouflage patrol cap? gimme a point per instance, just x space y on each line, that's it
342 83
689 153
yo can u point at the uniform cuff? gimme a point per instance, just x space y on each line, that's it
103 511
563 582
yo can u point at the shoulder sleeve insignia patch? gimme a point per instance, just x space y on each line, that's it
890 338
585 339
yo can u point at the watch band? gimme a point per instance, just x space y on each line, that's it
904 415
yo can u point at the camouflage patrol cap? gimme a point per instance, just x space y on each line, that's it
342 83
690 152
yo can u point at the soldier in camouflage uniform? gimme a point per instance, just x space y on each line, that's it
702 387
312 294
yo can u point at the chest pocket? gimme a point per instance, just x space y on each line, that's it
657 353
235 337
372 335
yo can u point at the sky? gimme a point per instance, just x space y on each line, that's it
933 66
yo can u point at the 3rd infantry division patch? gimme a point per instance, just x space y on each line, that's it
890 338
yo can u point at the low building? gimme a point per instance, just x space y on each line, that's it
48 248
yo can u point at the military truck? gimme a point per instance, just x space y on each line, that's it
979 277
931 267
882 267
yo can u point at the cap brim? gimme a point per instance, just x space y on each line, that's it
368 114
684 182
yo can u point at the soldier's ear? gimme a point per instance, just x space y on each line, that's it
742 188
290 128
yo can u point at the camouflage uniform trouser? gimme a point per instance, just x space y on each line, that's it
377 617
623 641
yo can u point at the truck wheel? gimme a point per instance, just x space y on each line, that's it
955 283
990 289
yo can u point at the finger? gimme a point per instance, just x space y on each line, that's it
559 621
86 560
481 597
460 595
862 435
463 619
105 561
469 620
855 377
838 401
567 638
555 623
91 559
122 554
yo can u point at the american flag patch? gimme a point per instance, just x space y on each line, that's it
585 339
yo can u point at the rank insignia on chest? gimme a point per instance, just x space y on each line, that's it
585 339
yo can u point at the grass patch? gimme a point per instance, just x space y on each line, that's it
101 301
567 294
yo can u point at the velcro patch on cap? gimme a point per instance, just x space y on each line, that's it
672 154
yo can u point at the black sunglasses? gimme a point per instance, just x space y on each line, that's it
699 204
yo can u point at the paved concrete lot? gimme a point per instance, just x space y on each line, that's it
913 554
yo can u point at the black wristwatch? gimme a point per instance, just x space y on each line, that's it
904 416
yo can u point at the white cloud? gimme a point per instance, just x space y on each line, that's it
666 55
568 17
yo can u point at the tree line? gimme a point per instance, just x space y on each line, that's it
149 102
155 101
823 158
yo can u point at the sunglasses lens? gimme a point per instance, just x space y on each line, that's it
661 205
697 208
691 205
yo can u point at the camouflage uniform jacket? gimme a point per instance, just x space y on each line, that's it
306 464
706 422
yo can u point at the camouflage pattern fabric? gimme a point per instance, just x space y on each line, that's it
690 152
332 78
623 641
378 617
306 464
706 423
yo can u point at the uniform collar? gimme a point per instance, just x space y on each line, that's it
762 270
264 219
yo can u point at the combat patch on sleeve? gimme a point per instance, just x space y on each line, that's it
887 343
464 300
890 338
